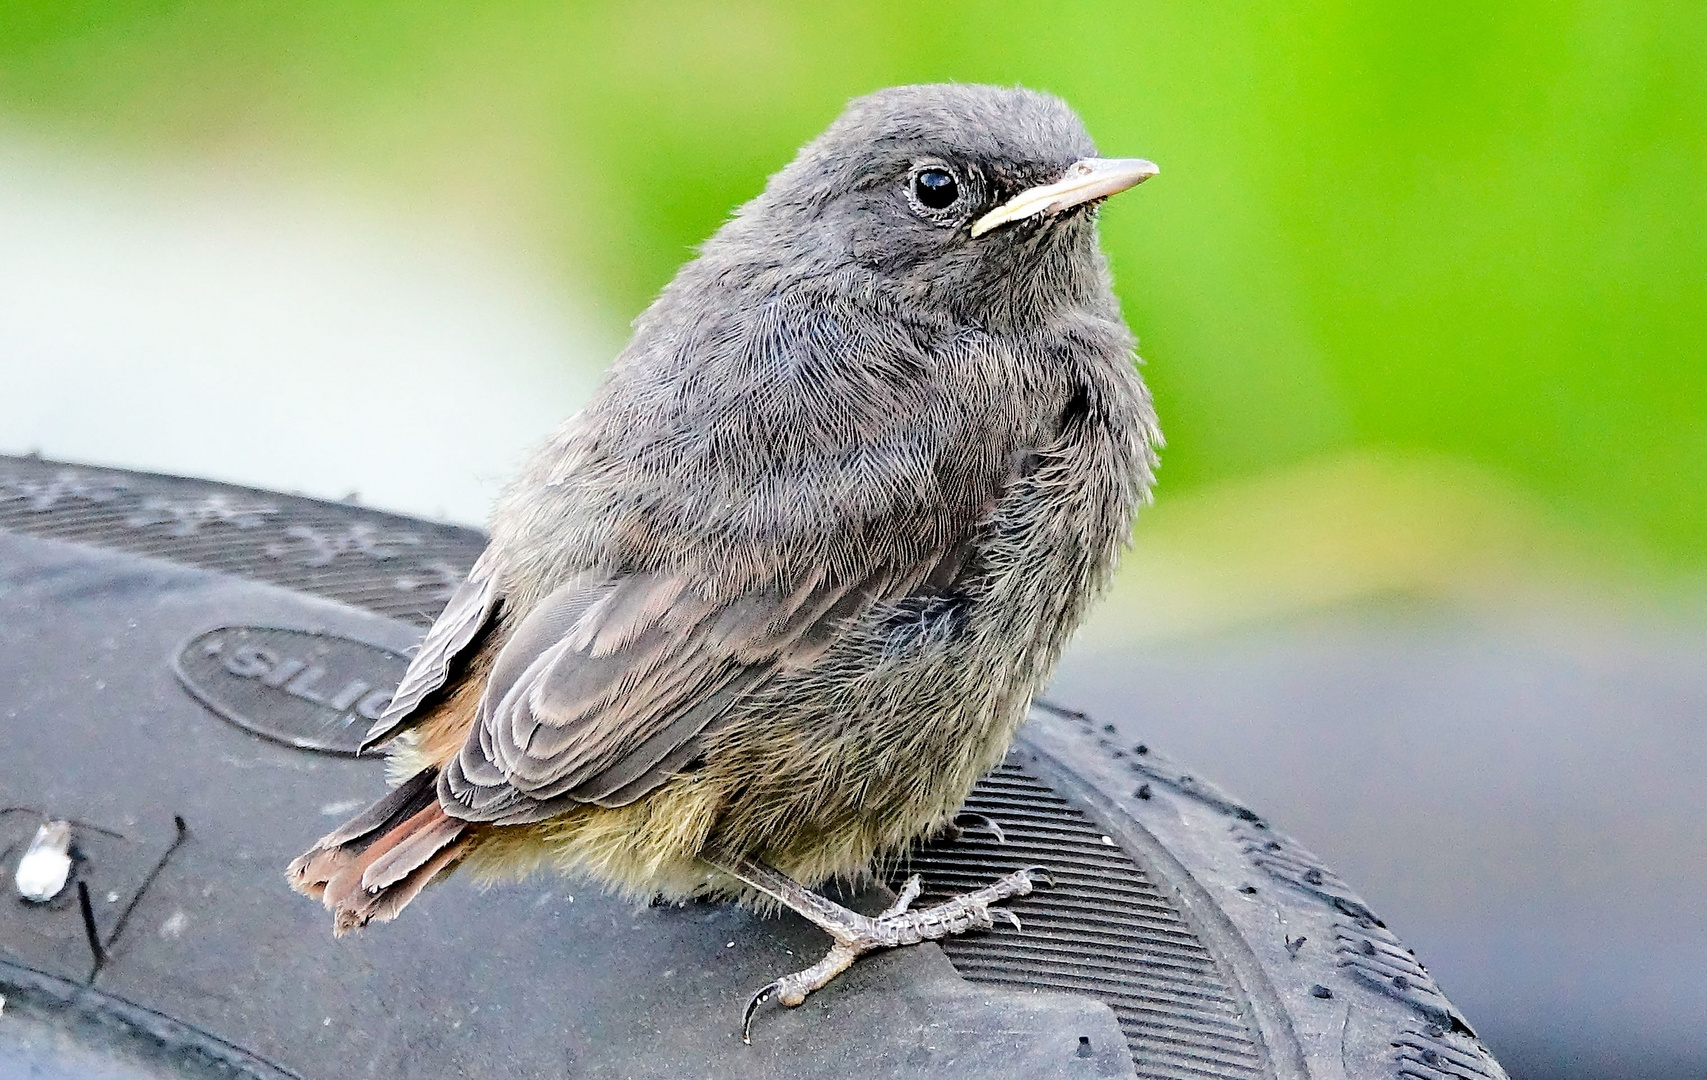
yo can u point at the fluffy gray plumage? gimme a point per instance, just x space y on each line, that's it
787 584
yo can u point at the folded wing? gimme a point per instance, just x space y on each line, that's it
602 691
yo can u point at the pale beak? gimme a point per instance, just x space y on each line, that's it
1086 179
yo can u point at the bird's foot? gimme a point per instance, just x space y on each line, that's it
853 935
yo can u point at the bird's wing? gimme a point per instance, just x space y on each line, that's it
466 614
600 693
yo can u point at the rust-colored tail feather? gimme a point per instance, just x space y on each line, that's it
371 866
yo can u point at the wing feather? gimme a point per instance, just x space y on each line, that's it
465 615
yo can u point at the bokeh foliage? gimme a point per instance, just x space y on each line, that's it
1465 229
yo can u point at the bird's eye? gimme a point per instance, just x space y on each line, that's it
936 188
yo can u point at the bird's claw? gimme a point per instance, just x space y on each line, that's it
989 823
753 1006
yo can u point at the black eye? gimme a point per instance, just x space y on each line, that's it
936 188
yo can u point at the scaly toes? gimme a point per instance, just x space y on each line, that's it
904 899
898 925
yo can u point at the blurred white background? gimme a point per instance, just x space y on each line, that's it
197 324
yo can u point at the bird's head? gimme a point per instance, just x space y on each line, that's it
977 200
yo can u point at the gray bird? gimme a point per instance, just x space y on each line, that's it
763 611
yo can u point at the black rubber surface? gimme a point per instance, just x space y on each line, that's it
384 563
1201 942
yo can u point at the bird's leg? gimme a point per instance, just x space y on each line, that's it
852 935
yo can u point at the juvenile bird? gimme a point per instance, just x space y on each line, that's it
766 608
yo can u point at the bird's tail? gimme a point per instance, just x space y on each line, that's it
371 866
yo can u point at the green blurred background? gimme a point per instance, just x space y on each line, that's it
1458 249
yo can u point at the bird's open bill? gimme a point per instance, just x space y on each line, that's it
1086 179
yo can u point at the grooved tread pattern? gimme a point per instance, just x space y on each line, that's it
1105 930
1363 945
393 566
1372 953
1428 1055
